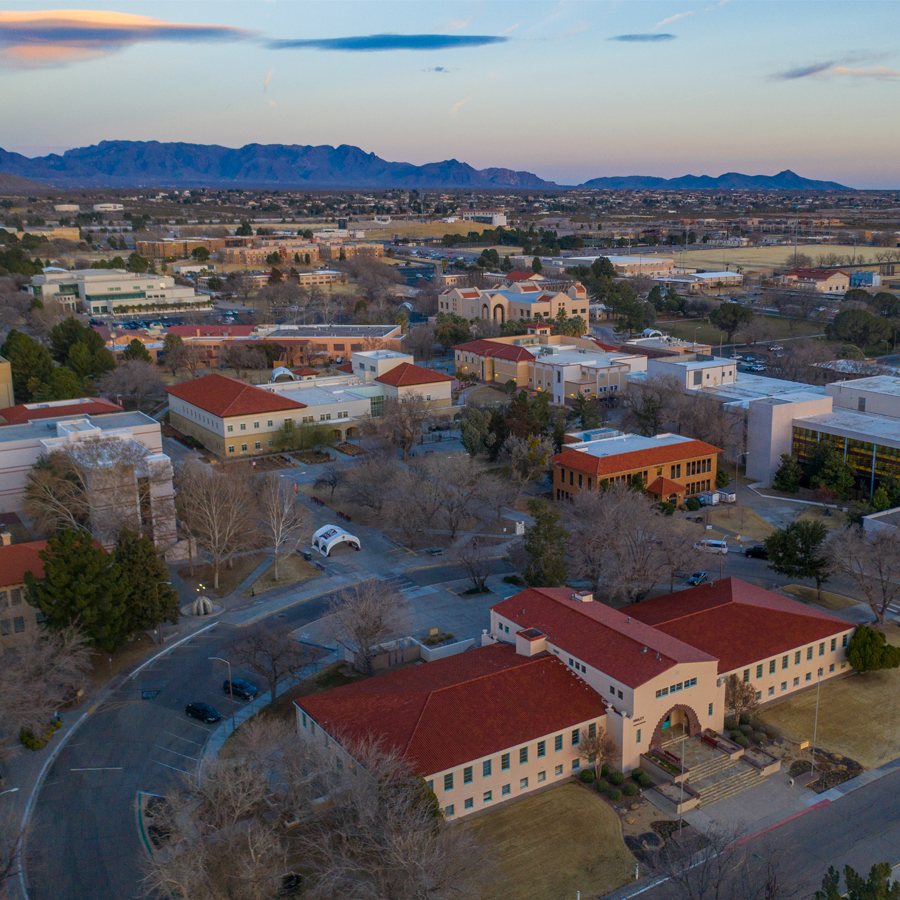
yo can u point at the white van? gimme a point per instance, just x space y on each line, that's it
712 546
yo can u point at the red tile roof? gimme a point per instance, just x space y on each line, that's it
211 330
665 487
407 375
225 397
305 371
17 559
346 367
446 713
815 274
738 623
14 415
609 348
496 350
470 295
636 459
627 650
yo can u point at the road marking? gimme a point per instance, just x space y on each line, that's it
158 747
207 730
99 769
183 640
181 738
183 771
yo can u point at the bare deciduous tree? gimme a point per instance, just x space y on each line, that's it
363 617
270 652
371 479
217 510
402 420
36 677
420 341
477 565
241 358
133 378
331 477
284 518
598 749
872 562
524 459
740 696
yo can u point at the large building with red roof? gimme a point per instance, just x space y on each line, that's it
495 723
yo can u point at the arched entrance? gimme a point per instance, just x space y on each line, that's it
485 312
679 720
499 315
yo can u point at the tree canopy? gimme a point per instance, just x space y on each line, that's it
868 651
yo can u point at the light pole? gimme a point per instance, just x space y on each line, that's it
9 791
696 329
159 624
230 689
816 722
681 805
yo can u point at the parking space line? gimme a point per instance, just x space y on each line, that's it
207 730
181 738
183 771
158 747
99 769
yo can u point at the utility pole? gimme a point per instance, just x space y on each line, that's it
230 688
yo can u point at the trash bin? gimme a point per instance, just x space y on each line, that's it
307 555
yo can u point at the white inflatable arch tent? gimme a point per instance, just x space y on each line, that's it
329 536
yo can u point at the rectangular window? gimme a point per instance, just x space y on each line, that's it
488 796
592 729
243 426
797 658
448 811
612 690
833 644
784 662
746 676
523 784
809 676
504 761
809 652
576 737
243 448
831 668
256 424
844 641
822 649
231 427
523 755
505 790
19 624
797 681
557 742
618 693
558 771
269 423
576 764
709 713
271 442
542 748
468 803
637 739
448 782
258 445
771 666
542 776
784 685
304 719
231 448
467 775
486 769
759 671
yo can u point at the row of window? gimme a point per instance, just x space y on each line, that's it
798 654
807 679
487 765
675 688
256 446
13 597
506 789
243 425
695 467
8 626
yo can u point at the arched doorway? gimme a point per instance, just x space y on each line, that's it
679 721
485 312
499 315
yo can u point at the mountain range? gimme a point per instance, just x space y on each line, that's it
130 164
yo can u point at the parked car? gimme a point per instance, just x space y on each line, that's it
775 347
202 711
240 688
756 552
698 578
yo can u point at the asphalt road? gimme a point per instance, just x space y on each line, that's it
84 842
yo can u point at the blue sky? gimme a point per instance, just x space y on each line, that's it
568 90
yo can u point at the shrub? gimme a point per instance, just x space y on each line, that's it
759 737
513 579
604 770
734 735
731 723
636 774
645 781
744 718
741 740
614 794
745 729
587 776
602 786
630 789
617 778
692 504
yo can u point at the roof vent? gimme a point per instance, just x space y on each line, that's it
582 597
628 620
657 654
644 649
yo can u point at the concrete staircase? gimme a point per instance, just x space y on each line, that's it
730 779
704 770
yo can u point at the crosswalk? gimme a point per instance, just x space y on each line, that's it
405 586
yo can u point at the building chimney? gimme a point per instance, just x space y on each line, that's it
5 539
583 597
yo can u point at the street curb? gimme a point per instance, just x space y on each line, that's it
784 821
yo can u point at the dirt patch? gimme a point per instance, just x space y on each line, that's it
313 457
105 666
811 595
552 844
486 396
349 449
750 525
229 579
859 716
834 521
291 570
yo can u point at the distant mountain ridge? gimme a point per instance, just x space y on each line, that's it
129 164
730 181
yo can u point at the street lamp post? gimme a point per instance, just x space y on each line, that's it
159 624
816 721
230 689
9 791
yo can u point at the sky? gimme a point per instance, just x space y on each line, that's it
568 90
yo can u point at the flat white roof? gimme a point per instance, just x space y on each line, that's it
876 384
626 443
860 426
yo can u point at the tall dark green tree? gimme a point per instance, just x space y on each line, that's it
868 651
81 586
729 317
788 476
150 599
545 546
797 551
136 350
27 359
878 886
827 469
63 384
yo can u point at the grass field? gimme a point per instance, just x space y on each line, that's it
424 229
709 334
291 569
229 579
550 845
739 520
859 716
486 396
810 595
753 259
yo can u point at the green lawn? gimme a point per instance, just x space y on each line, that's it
709 334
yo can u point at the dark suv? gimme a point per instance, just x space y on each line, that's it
202 711
757 552
240 688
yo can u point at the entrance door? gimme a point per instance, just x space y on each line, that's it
668 721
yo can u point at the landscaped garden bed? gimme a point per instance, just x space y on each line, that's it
349 449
